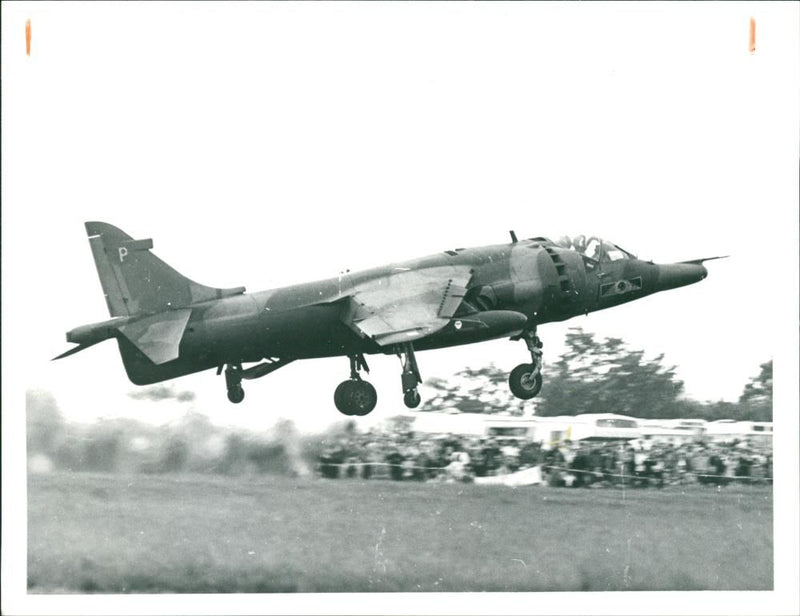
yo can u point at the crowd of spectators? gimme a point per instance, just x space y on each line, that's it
638 463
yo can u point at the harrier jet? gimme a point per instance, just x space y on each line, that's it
168 326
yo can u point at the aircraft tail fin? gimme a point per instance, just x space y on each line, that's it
137 282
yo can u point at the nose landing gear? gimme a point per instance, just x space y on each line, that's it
525 381
355 396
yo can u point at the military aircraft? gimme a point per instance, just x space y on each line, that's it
168 326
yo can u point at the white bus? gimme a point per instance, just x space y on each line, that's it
676 431
587 427
727 430
516 428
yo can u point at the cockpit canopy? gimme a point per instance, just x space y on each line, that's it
594 248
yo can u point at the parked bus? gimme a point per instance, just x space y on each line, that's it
587 427
727 430
675 431
512 428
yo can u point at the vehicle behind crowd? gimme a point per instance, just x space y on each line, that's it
639 462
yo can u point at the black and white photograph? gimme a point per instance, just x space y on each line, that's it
400 308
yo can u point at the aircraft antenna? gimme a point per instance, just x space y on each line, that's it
513 237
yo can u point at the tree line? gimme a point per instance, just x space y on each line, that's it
190 444
596 375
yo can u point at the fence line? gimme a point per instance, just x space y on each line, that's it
543 466
640 475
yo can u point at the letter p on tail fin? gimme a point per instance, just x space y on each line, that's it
135 281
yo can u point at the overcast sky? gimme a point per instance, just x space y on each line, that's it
269 144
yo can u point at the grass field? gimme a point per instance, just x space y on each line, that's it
112 533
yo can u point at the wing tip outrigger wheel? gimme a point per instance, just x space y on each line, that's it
410 377
236 394
412 398
233 381
234 374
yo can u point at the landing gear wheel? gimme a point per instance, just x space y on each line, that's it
525 381
355 397
233 381
410 377
412 399
338 397
361 397
236 394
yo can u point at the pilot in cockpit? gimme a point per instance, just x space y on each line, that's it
594 248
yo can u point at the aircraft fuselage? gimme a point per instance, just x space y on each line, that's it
306 321
168 326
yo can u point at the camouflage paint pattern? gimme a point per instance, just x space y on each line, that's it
167 325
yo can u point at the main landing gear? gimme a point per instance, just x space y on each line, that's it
358 397
525 381
355 396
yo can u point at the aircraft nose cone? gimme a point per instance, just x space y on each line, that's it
676 275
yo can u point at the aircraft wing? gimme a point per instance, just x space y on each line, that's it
406 305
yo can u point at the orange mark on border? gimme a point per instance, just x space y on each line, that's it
28 37
752 46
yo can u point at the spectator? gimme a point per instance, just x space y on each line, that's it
530 455
458 469
491 457
581 466
510 453
395 459
403 455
